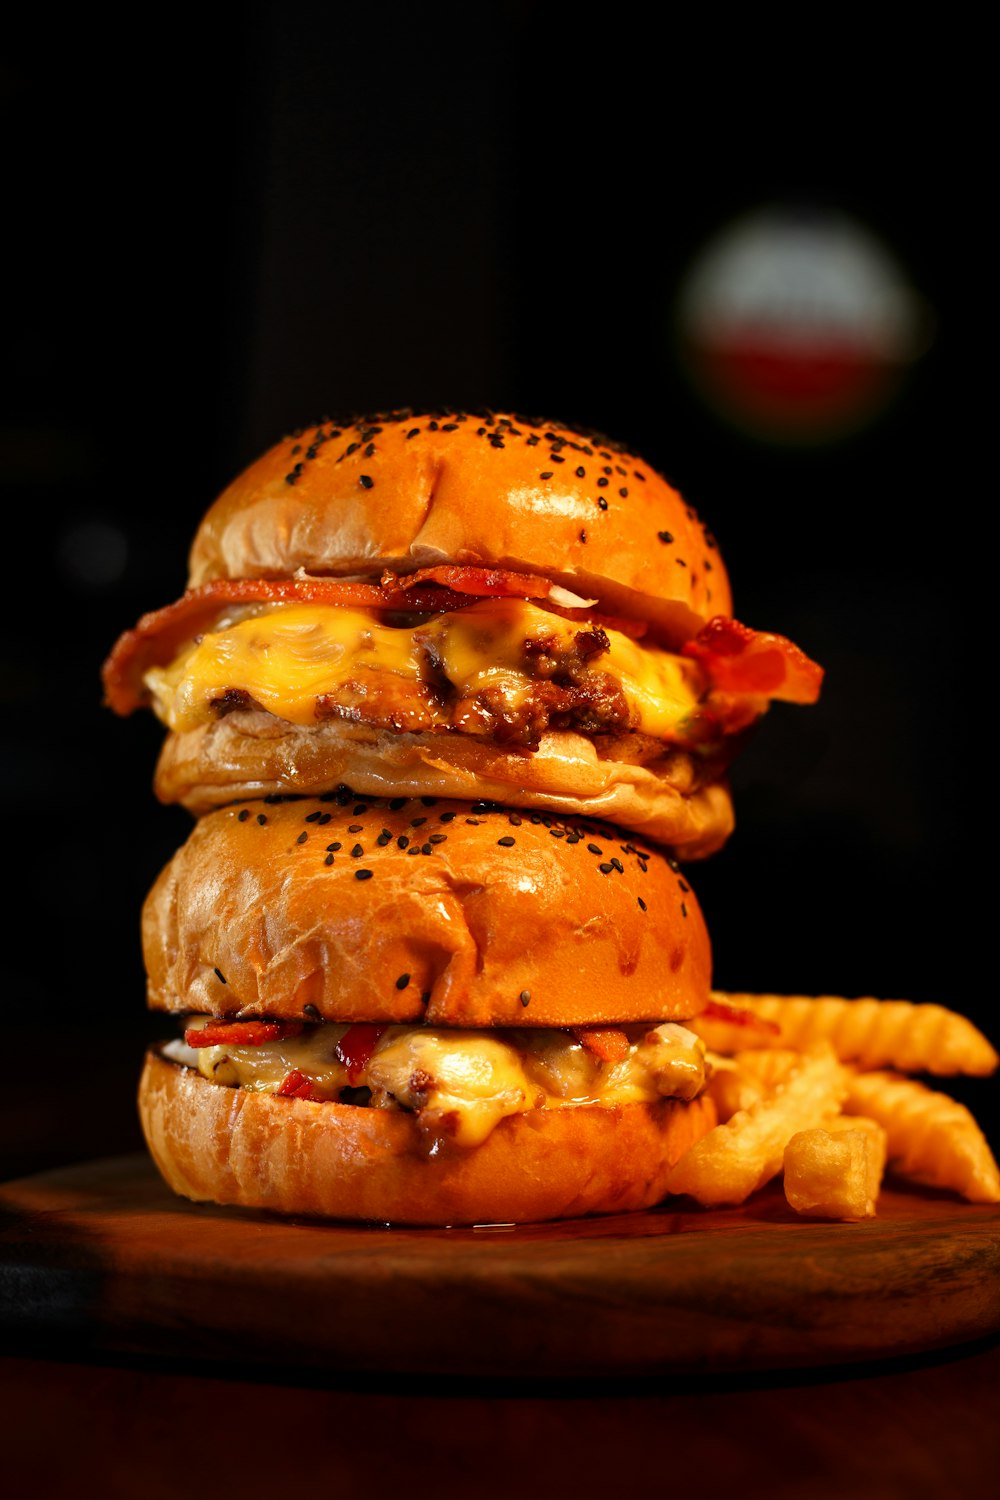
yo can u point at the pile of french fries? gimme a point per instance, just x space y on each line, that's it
815 1088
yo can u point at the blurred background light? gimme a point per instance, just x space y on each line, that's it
797 324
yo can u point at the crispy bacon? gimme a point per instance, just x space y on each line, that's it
609 1043
484 583
748 662
737 1016
355 1048
296 1085
240 1033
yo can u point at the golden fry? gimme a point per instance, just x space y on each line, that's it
729 1086
835 1172
870 1033
736 1158
931 1138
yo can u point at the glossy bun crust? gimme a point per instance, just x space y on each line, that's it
407 491
672 799
292 1156
448 913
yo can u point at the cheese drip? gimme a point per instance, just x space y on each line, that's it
461 1084
286 657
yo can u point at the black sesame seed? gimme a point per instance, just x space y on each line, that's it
334 848
323 819
369 453
220 976
525 997
355 827
642 904
397 802
357 852
547 474
602 483
514 820
402 981
413 432
402 841
581 472
605 869
362 874
618 864
302 838
623 492
665 536
602 503
448 817
583 536
328 860
684 886
426 849
416 822
310 1012
244 815
684 910
314 817
362 807
505 843
413 849
557 833
594 849
261 819
437 838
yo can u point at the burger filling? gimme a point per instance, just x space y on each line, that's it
503 668
458 1084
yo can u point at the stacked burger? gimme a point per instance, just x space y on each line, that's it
450 695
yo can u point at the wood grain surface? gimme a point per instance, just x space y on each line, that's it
103 1254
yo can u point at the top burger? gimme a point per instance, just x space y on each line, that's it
458 605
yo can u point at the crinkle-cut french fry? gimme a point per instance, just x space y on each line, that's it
734 1159
729 1086
768 1067
833 1172
931 1138
873 1033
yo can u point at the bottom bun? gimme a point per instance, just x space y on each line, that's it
253 754
340 1161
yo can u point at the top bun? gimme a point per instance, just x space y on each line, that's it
405 491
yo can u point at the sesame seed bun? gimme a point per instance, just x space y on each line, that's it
294 1156
407 491
448 914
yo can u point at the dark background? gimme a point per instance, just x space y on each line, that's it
215 235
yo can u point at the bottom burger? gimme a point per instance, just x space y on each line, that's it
423 1012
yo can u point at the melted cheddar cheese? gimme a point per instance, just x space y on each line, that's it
286 657
460 1084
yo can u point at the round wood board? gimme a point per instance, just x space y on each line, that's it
105 1255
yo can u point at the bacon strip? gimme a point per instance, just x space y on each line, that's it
737 1016
240 1033
355 1048
738 660
608 1043
296 1085
483 582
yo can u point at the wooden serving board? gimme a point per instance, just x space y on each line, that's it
105 1257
